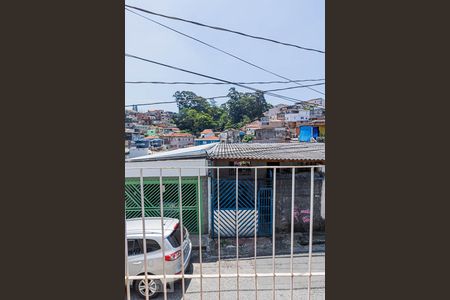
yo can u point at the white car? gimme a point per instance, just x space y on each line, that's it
154 243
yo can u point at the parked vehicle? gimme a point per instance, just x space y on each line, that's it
154 244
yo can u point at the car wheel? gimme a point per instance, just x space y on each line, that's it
154 287
189 268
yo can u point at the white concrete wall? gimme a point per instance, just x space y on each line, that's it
136 152
297 116
183 164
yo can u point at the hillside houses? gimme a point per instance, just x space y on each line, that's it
289 119
300 122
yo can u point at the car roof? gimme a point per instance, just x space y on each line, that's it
152 226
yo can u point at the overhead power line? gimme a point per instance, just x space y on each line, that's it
224 96
213 78
153 103
223 51
225 29
294 87
274 90
218 83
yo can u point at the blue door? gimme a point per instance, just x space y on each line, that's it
315 132
265 212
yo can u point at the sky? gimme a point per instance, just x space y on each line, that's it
300 22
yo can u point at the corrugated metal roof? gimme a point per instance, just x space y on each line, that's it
269 151
301 152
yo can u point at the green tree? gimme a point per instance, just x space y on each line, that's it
197 113
193 121
189 100
245 120
250 105
247 138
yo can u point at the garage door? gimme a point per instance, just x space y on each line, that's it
171 204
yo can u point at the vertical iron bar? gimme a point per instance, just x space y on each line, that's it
273 231
182 229
162 232
127 272
218 223
144 240
200 235
237 233
311 217
256 209
292 233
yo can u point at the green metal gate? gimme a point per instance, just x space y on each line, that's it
171 200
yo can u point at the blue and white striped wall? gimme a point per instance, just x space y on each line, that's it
227 219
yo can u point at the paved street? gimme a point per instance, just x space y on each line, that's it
247 285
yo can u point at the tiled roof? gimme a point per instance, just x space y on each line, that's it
269 151
206 131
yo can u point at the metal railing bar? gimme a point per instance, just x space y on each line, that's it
273 229
127 271
292 232
200 235
311 219
226 167
144 240
181 228
229 275
162 232
256 229
237 233
218 224
315 254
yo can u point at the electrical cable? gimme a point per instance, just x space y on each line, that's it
219 83
223 51
225 29
213 78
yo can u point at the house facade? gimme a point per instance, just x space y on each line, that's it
317 113
206 140
177 140
272 113
317 102
300 115
266 155
232 136
206 133
265 163
271 135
